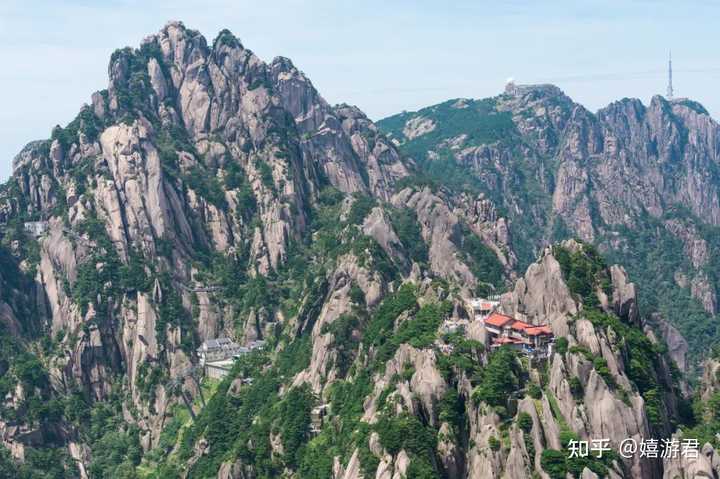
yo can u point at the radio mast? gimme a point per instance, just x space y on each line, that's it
670 87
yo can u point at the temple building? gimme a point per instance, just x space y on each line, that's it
217 356
481 307
218 349
536 340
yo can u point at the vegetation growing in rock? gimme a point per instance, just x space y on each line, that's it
483 263
584 271
405 224
652 257
305 255
499 378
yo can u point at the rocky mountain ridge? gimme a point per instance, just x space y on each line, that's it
639 181
207 193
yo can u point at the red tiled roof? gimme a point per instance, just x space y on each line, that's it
498 320
520 325
538 330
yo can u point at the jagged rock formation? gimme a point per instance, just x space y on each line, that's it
639 181
207 193
591 392
677 346
707 462
173 209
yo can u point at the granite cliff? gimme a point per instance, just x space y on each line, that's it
640 182
207 193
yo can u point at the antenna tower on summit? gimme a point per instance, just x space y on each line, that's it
670 87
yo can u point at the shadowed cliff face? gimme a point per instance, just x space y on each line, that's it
207 193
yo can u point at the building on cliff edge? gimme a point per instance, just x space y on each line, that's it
533 340
217 356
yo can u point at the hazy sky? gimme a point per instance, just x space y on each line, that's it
384 57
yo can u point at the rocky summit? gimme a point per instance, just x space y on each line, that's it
213 273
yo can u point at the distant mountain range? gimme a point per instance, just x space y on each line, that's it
639 182
208 194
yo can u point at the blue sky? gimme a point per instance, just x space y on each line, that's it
384 57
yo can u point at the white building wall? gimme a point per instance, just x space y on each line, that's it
215 372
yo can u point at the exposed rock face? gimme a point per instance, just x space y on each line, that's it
640 181
542 295
235 470
482 217
605 415
677 346
710 378
695 246
193 150
439 226
377 226
426 384
706 464
418 126
703 291
655 133
601 410
440 220
137 203
449 452
323 369
224 88
207 193
624 299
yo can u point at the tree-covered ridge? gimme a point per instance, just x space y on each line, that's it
209 194
369 341
655 257
455 153
556 174
449 126
478 120
585 272
241 420
652 373
297 288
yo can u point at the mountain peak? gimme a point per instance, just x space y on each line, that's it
544 89
211 198
176 29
